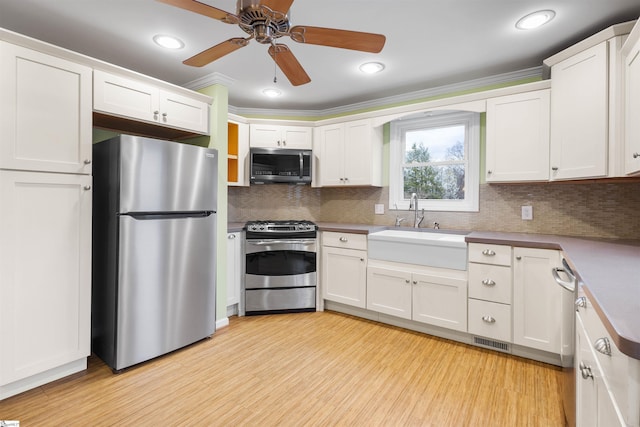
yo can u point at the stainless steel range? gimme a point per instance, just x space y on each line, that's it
280 274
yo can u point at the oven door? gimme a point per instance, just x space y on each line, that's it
280 263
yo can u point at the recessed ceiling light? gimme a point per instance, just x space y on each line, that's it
271 93
371 67
535 19
168 42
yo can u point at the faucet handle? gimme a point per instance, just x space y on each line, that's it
436 226
399 220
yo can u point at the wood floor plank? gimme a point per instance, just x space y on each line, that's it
308 369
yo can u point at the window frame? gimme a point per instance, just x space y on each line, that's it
471 121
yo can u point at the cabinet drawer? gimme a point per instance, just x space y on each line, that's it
490 254
490 319
615 367
490 282
345 240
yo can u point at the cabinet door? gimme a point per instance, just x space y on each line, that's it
332 155
586 387
45 271
537 300
344 276
358 143
518 137
183 112
579 115
440 301
125 97
234 268
632 110
45 113
299 137
267 136
389 292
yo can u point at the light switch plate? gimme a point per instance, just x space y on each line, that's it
527 213
379 208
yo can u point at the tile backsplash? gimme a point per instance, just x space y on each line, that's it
594 209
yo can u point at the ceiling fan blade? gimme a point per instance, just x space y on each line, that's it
203 9
278 5
289 65
354 40
218 51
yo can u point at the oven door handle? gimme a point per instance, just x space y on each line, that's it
282 242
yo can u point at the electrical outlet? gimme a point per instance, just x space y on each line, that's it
379 208
527 213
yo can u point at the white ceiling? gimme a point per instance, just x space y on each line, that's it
430 43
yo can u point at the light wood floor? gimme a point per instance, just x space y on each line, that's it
304 369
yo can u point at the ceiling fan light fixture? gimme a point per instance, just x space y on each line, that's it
535 19
371 67
271 93
168 42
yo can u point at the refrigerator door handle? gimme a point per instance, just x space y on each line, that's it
142 216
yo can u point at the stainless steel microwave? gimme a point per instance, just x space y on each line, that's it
280 165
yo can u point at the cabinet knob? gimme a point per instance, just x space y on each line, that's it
284 143
278 142
585 371
488 252
155 115
488 319
581 302
362 259
488 282
231 236
164 117
344 239
407 281
602 345
636 155
415 282
87 161
554 168
489 172
518 257
87 187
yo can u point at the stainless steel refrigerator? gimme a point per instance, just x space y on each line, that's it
154 248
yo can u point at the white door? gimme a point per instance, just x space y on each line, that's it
125 97
45 271
440 301
537 300
579 115
183 112
265 136
518 137
389 292
344 275
357 153
632 111
332 154
298 137
45 112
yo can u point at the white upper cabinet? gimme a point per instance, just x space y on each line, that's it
143 101
631 53
45 112
276 136
587 94
518 137
579 115
349 154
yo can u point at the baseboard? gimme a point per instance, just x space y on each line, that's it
222 323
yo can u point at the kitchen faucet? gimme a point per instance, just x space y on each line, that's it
413 204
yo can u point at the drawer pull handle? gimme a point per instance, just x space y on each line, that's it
488 319
585 371
636 155
488 282
581 302
87 187
344 239
603 346
488 252
407 281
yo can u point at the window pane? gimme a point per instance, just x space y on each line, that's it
434 182
435 144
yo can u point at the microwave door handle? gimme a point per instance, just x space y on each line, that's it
301 164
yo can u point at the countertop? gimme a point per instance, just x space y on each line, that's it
608 271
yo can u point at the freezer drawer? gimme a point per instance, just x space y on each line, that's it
166 292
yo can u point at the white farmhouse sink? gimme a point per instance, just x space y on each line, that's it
434 249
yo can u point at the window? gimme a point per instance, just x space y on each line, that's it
437 157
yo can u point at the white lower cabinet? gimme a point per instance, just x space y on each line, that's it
537 299
234 271
490 319
435 296
45 277
344 268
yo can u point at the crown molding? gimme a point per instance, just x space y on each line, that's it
405 98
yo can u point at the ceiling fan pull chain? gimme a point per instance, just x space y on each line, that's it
275 64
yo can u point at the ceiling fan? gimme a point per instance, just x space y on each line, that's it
266 21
